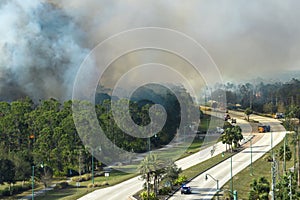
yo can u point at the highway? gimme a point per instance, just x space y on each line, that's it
202 189
206 189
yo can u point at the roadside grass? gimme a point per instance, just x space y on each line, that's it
74 192
261 167
19 183
38 186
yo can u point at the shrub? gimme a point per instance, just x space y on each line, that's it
164 191
90 185
97 184
5 192
180 180
104 183
59 174
86 177
76 179
99 174
16 189
144 196
61 185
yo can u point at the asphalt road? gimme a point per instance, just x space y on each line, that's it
206 189
125 189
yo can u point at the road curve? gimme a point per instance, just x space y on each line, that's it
127 188
203 189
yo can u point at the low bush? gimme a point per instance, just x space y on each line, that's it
76 179
5 192
164 191
180 180
144 196
16 189
86 177
61 185
104 183
97 184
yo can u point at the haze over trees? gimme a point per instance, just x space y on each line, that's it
261 97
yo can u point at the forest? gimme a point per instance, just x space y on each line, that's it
260 97
43 134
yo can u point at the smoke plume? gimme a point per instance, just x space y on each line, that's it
40 50
246 39
43 42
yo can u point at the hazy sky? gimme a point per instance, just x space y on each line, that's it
43 45
245 38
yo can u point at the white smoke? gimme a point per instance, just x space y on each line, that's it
246 39
40 50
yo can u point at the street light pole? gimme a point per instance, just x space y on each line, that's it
32 182
184 134
93 167
290 186
273 168
284 154
217 183
251 167
149 145
231 181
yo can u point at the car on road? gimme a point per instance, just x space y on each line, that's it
185 189
233 120
279 116
264 128
226 117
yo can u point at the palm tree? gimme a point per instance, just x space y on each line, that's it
145 170
151 167
227 138
232 135
259 189
171 172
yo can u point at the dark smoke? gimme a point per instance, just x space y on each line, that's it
40 50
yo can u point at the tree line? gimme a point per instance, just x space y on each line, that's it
261 97
44 135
